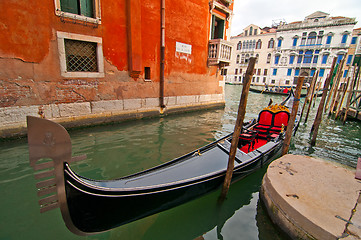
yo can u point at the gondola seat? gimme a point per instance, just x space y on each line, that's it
247 137
271 123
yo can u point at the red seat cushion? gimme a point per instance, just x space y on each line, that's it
265 117
281 118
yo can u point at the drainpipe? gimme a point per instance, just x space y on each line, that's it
162 61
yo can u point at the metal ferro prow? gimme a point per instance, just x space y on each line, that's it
50 144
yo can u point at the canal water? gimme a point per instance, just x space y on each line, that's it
117 150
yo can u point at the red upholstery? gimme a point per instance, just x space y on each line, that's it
265 117
281 118
270 123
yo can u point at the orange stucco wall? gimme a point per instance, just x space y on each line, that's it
30 72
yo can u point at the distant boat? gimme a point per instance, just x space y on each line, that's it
93 206
255 90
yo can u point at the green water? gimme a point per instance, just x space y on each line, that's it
117 150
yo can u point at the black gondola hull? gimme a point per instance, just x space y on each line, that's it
93 210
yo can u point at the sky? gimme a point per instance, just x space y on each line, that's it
263 12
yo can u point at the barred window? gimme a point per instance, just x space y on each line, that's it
80 56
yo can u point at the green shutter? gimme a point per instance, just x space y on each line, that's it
213 26
86 7
70 6
220 29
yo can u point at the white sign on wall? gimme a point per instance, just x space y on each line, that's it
183 48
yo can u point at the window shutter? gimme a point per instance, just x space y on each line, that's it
69 6
86 7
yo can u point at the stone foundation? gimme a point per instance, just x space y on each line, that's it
13 119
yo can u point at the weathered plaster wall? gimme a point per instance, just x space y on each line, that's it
30 67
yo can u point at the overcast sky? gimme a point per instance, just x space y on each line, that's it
263 12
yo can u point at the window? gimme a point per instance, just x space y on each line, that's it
259 71
271 43
224 71
251 31
259 44
294 42
303 41
339 58
269 58
345 73
83 10
236 71
237 59
264 79
147 73
80 55
319 40
240 70
287 82
329 39
322 72
217 30
324 58
315 59
289 72
274 73
312 72
344 38
353 40
308 57
246 32
349 59
292 59
297 72
79 7
311 40
257 57
255 32
299 59
279 44
277 59
265 72
273 81
239 45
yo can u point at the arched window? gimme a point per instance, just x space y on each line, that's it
251 31
257 56
311 40
253 43
269 58
239 45
271 43
259 44
279 43
237 59
247 58
308 57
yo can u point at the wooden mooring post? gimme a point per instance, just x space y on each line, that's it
342 98
309 96
291 121
334 87
350 93
237 128
316 123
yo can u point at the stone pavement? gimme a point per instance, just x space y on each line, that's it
310 198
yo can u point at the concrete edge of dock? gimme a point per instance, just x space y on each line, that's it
309 198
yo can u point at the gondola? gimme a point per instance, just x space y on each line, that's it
263 91
94 206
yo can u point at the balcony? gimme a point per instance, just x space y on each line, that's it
219 52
